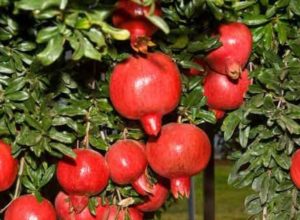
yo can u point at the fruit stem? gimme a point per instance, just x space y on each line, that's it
180 187
151 123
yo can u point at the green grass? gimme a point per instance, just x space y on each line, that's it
229 200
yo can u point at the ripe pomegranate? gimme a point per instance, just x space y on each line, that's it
88 174
146 88
195 72
127 163
27 207
131 16
65 211
114 212
158 197
181 151
295 169
232 56
223 93
8 167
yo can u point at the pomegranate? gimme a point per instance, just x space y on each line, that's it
131 16
65 211
295 169
127 164
114 212
181 151
195 72
27 207
146 88
158 197
223 93
8 167
233 55
88 174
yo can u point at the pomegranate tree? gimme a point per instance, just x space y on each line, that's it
180 151
27 207
127 165
231 58
223 93
137 85
8 167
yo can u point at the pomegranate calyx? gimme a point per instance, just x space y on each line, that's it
180 187
78 202
141 44
233 70
142 185
151 123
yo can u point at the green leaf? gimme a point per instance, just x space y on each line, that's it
159 22
292 126
15 85
52 51
229 125
242 5
46 34
62 137
63 149
17 96
295 6
255 20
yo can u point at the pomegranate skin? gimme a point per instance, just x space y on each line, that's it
8 167
126 160
27 207
223 93
181 151
295 169
138 95
64 209
114 212
233 55
88 174
158 197
127 165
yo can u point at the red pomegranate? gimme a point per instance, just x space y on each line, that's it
8 167
65 211
158 197
114 212
27 207
88 174
127 163
131 16
181 151
295 169
146 88
195 72
223 93
233 55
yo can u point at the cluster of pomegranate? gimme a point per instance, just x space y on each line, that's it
226 80
143 87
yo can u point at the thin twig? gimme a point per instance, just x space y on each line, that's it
18 185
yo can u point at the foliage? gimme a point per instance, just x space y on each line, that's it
56 57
